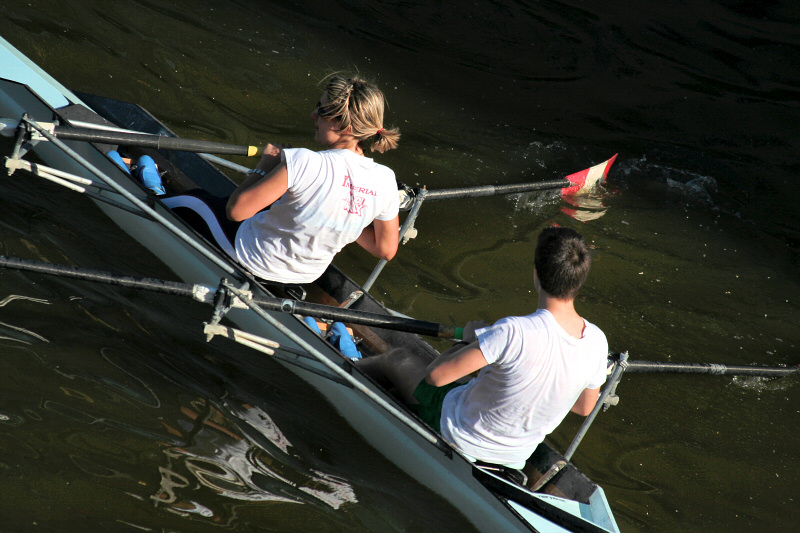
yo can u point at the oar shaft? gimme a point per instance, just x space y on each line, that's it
490 190
654 367
149 284
160 142
410 325
351 316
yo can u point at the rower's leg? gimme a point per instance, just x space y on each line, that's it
400 367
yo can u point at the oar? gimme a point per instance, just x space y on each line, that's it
146 140
492 190
206 294
654 367
576 184
579 183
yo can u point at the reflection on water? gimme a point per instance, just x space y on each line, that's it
138 391
585 208
218 453
103 419
17 333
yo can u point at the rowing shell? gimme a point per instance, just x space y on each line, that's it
576 503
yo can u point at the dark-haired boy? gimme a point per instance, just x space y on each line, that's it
533 369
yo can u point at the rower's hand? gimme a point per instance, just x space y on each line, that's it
271 156
469 330
273 150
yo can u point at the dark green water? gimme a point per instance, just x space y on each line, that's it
696 256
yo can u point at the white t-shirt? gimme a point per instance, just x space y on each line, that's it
536 373
333 195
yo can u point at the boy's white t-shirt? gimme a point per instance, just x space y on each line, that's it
332 196
536 373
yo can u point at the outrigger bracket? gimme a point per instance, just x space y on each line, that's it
606 399
22 134
618 360
224 300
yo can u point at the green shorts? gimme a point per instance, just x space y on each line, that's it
430 400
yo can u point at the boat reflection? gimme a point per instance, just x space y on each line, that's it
242 456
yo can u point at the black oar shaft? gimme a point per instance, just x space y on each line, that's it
149 284
160 142
421 327
410 325
351 316
490 190
654 367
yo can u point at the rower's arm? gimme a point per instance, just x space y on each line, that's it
259 191
451 366
586 402
247 201
381 238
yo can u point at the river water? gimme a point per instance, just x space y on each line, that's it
115 415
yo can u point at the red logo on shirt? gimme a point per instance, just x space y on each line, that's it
354 203
347 183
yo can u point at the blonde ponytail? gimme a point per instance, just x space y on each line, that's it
359 105
385 139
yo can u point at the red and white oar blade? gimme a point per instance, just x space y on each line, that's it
585 181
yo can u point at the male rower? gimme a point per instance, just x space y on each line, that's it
533 369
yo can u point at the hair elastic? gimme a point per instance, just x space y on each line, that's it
379 131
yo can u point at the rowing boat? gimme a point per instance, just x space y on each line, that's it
567 500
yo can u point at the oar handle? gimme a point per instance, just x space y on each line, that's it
159 142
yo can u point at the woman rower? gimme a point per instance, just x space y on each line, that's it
317 202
